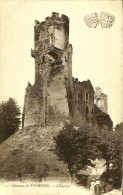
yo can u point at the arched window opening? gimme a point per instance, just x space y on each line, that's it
102 103
99 103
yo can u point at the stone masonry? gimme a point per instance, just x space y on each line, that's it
57 97
46 102
100 99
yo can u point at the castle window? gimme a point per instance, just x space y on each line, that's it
44 47
99 103
86 96
86 113
43 58
86 110
79 95
102 103
65 59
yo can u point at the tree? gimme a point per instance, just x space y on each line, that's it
79 147
119 132
9 118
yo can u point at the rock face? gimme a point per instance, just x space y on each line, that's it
56 97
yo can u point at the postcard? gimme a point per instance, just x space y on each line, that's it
61 115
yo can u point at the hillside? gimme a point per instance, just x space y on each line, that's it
28 154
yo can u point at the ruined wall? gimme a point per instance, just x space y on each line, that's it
58 103
103 119
34 105
100 99
101 110
67 62
83 102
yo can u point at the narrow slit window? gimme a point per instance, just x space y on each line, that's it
87 111
43 58
87 96
65 59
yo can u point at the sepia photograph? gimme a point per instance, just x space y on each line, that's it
61 97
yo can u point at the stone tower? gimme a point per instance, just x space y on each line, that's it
47 102
100 99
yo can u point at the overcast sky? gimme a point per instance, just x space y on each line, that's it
97 52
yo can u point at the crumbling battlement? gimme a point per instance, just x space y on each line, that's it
54 31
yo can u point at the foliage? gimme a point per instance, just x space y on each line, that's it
78 147
112 177
9 119
119 127
119 132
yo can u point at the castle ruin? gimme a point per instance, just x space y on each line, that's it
57 97
100 99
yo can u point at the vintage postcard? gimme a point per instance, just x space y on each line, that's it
61 80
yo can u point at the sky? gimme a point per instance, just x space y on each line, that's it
97 52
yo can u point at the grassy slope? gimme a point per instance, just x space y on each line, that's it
28 154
